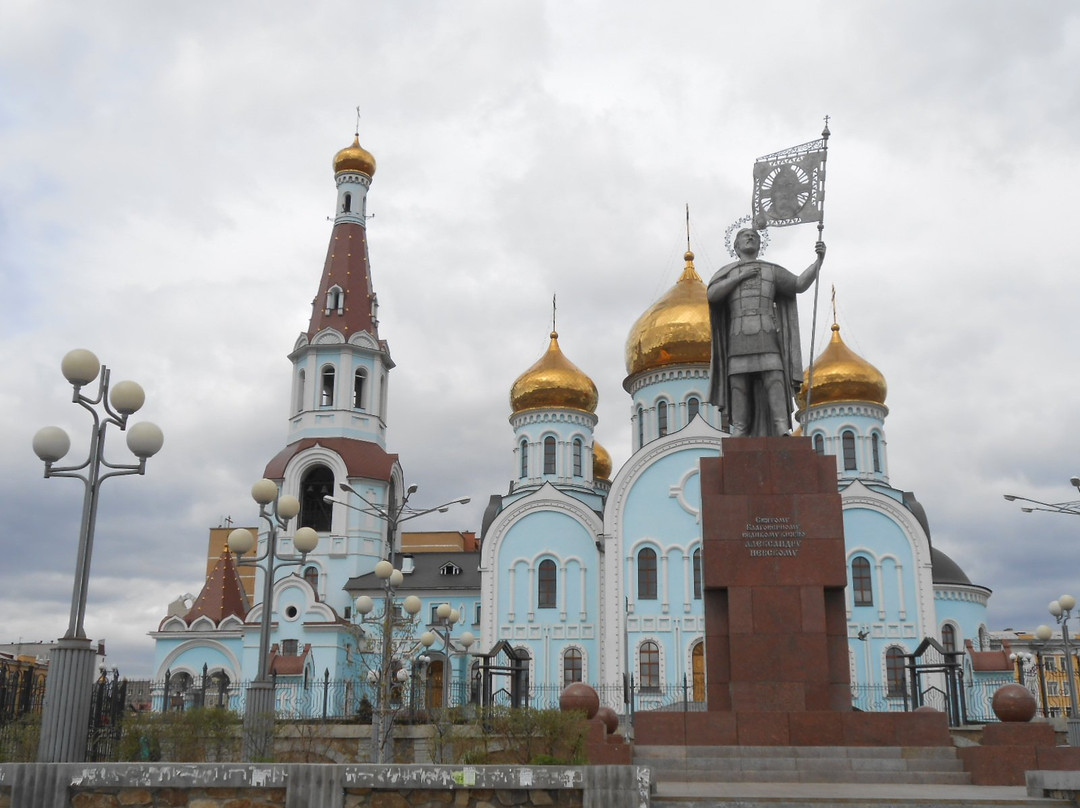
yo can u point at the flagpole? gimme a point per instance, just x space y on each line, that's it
817 278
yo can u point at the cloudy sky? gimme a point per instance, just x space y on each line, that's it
165 184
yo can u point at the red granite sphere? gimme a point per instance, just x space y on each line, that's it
926 708
1013 703
610 719
579 696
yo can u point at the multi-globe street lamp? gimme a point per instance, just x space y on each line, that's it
390 577
1062 609
443 626
71 664
276 510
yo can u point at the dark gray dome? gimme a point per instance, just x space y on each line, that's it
945 570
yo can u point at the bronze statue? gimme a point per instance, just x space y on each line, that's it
756 358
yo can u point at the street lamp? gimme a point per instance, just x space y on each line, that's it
1020 660
387 673
71 663
446 618
1072 508
1061 609
276 510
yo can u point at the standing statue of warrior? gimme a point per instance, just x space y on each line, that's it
756 359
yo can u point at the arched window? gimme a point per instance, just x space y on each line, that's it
571 666
311 575
326 391
578 453
819 443
640 427
348 203
359 380
697 663
875 448
894 671
524 459
692 408
301 379
546 585
861 583
315 512
697 574
549 455
948 637
335 299
649 665
661 418
646 574
848 440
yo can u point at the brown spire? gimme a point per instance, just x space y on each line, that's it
222 595
346 269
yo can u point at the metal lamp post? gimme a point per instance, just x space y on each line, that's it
1072 508
276 510
71 666
387 672
446 618
1061 609
1020 660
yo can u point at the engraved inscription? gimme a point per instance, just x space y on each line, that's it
773 536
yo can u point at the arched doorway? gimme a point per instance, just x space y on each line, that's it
697 661
435 685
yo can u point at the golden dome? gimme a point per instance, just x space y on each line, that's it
553 382
675 329
601 462
840 374
355 158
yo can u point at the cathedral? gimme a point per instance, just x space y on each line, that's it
588 572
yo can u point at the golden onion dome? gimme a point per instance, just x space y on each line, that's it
840 374
554 382
601 462
675 329
355 158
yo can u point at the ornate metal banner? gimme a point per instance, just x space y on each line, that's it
789 185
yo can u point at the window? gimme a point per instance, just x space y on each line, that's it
549 455
577 457
1052 689
697 574
290 647
1050 663
476 615
524 459
326 393
571 666
692 408
875 448
819 443
661 418
348 203
640 427
301 378
435 613
894 671
546 585
335 299
948 637
861 583
311 575
848 440
649 665
315 512
359 378
646 574
450 568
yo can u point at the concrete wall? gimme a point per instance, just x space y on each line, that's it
223 785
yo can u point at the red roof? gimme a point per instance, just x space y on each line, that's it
361 458
346 267
222 595
288 665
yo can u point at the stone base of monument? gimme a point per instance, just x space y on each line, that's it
1011 749
804 728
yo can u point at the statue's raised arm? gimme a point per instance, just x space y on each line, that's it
756 356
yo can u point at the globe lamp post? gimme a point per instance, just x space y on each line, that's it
64 722
276 510
446 618
1062 609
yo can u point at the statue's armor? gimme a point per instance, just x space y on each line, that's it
753 334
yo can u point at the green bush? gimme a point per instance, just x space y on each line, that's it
521 736
199 735
19 739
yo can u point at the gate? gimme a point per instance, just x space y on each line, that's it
106 717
